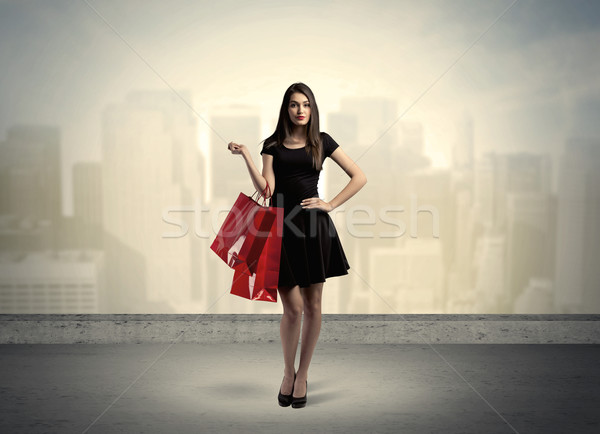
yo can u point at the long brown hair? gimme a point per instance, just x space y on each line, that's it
285 126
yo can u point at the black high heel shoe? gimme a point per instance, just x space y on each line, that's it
286 400
300 401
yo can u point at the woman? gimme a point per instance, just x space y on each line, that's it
311 251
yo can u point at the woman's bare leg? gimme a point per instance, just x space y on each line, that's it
311 328
289 329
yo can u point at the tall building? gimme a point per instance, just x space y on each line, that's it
519 173
87 192
85 229
513 198
471 183
460 275
497 175
30 163
578 236
490 276
484 204
151 176
529 240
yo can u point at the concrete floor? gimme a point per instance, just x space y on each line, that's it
232 388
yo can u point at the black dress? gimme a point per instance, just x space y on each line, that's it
311 250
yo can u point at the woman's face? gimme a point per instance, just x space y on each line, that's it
299 109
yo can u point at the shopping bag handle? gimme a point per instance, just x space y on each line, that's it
262 194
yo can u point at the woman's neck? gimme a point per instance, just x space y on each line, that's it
299 134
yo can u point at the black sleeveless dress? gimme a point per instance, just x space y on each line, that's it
311 250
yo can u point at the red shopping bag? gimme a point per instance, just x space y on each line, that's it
255 241
262 285
241 238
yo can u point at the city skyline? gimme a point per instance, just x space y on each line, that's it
475 123
528 81
471 240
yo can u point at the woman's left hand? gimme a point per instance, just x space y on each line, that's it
315 202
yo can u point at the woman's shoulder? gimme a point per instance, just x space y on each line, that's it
327 139
324 135
329 144
269 148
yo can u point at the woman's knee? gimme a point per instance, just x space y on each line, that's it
293 304
312 308
311 296
293 311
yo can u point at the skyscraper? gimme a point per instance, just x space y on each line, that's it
30 165
151 174
578 236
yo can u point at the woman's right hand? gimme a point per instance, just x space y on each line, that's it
237 148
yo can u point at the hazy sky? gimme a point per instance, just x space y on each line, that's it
529 82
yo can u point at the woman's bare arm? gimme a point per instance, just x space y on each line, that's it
258 179
358 179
